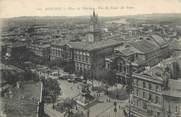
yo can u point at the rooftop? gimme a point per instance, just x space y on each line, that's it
130 51
41 45
174 88
144 46
158 39
10 68
158 72
17 44
176 44
90 46
155 73
111 57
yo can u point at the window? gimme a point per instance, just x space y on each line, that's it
157 87
120 67
136 82
156 99
86 59
144 85
144 95
82 58
137 92
108 65
137 103
127 46
84 53
124 68
150 86
85 66
59 53
158 114
144 105
88 67
150 97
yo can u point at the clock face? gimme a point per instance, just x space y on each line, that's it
91 28
90 37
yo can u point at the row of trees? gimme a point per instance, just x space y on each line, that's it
12 76
51 90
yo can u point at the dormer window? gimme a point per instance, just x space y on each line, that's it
127 46
148 39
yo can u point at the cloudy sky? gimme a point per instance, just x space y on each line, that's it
15 8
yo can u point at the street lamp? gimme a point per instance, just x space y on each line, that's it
7 56
115 108
130 84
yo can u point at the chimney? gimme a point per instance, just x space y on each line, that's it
94 13
175 70
18 84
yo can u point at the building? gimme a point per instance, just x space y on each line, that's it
61 51
42 51
175 46
15 49
130 32
94 29
147 96
84 56
14 53
145 52
172 99
156 91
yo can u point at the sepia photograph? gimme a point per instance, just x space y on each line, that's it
90 58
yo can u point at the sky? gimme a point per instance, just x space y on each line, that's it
16 8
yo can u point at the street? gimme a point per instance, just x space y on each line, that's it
68 90
100 109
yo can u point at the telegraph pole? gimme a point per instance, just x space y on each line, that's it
115 108
130 85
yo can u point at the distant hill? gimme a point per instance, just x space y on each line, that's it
156 18
147 18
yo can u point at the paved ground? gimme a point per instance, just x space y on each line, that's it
107 110
51 112
69 89
103 109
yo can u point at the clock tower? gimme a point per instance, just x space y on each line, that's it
94 31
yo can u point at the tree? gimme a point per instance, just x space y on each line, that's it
51 89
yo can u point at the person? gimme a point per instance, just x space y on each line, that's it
125 113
